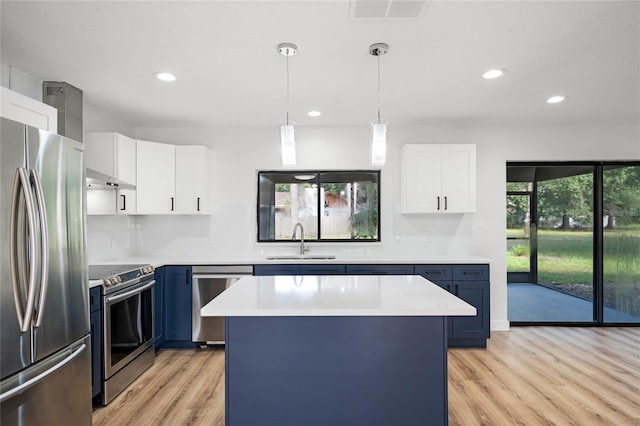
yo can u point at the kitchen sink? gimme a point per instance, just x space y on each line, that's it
301 257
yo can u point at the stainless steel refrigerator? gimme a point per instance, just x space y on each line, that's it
45 358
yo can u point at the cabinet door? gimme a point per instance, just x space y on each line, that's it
125 158
438 274
99 152
159 306
126 201
193 179
475 293
322 269
458 178
23 109
95 308
156 170
276 270
177 312
96 353
421 179
379 270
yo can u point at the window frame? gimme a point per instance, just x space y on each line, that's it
318 180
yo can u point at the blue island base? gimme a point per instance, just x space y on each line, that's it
336 371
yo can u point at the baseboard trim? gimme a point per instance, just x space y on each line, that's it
500 325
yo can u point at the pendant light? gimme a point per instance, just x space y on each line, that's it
379 129
287 129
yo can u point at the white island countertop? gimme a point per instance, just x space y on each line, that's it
336 295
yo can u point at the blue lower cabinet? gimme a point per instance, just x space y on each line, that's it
96 341
471 284
276 270
177 307
472 331
322 269
158 306
319 371
379 270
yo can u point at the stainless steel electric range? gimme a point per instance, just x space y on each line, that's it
127 324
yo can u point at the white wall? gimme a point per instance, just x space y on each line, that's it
108 237
239 152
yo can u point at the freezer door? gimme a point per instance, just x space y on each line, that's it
56 391
15 346
62 305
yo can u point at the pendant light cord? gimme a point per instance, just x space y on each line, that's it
378 55
287 55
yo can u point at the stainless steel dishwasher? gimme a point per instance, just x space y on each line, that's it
209 282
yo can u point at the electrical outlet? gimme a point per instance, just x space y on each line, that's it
426 236
114 241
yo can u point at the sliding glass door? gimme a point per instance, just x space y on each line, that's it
573 243
564 222
550 254
621 244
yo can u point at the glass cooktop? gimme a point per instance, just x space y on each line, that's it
98 272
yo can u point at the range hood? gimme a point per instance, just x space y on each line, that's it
97 180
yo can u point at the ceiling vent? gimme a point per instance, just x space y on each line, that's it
387 9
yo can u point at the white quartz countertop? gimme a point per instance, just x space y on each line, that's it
340 258
336 295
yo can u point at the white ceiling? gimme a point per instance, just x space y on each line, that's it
224 54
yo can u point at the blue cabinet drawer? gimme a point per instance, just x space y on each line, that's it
379 269
435 273
322 269
94 299
276 270
471 272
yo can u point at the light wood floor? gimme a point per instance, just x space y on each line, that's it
528 376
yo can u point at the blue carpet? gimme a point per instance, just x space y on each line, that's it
534 303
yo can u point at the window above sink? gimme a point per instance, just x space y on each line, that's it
332 206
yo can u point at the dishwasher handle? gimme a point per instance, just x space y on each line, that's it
220 276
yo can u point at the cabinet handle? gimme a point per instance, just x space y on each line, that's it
449 288
124 202
445 203
456 287
471 273
171 203
438 203
198 204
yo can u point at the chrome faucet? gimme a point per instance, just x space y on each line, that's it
303 249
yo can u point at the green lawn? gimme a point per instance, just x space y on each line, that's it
565 261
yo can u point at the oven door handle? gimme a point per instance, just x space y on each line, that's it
109 300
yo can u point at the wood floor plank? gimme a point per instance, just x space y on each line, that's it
528 376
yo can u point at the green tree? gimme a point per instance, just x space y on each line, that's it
569 197
621 195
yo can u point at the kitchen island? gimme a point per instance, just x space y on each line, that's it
339 350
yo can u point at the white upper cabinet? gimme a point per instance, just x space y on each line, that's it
438 178
114 155
193 179
156 178
23 109
111 154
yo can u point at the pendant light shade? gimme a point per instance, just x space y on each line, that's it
287 129
379 129
378 144
288 144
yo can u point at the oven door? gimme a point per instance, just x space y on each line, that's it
128 325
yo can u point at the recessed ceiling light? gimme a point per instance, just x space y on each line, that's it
165 76
314 113
491 74
556 99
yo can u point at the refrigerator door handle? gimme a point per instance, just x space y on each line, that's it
44 245
33 381
21 184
